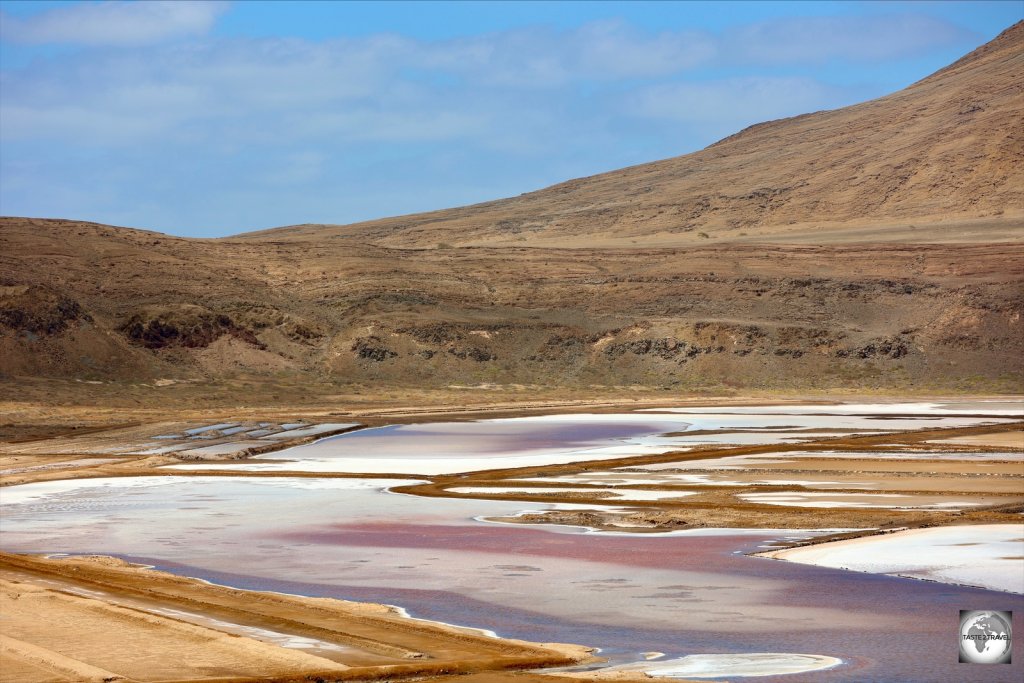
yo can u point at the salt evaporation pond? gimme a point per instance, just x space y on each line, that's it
941 408
451 447
682 593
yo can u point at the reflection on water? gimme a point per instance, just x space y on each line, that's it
677 594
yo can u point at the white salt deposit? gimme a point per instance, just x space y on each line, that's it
452 447
36 491
738 665
985 555
311 430
209 428
1008 408
809 499
27 493
422 466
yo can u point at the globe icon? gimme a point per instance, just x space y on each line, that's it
985 637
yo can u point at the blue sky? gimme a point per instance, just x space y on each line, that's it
212 118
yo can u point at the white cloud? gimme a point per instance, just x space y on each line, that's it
391 88
732 101
114 23
612 49
283 129
818 39
296 168
425 122
540 57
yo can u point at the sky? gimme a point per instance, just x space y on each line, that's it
208 119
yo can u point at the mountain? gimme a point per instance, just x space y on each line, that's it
946 153
875 247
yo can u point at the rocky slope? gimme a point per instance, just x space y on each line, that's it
130 305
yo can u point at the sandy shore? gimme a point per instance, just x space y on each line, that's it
998 439
96 618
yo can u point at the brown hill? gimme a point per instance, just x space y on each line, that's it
881 252
942 160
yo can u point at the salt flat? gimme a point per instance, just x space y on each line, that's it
984 555
730 665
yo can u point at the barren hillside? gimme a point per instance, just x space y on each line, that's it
872 247
942 160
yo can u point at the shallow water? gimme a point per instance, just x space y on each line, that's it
1006 408
452 447
449 447
628 594
679 593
